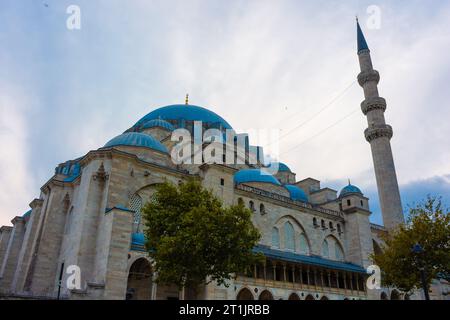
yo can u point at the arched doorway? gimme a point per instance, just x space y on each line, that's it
139 286
245 294
395 295
309 297
265 295
384 296
294 296
324 298
407 297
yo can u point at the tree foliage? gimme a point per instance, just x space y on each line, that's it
428 225
194 239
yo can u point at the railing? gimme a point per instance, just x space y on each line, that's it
285 199
288 285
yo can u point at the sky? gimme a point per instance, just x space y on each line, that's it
289 66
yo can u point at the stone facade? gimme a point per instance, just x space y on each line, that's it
82 238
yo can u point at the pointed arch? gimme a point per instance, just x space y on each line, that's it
293 296
338 252
325 249
376 247
303 244
266 295
135 204
309 297
289 238
395 295
275 237
139 285
335 249
245 294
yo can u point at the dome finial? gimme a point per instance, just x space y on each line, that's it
187 99
349 181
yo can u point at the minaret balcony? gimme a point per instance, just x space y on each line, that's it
378 131
374 103
367 76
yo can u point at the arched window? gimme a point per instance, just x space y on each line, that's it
240 201
322 224
289 240
339 253
262 209
304 247
315 222
331 225
135 204
275 237
252 206
339 228
325 250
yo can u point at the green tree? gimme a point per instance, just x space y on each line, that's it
194 239
428 225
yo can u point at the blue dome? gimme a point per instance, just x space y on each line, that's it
189 112
26 214
349 189
157 123
137 239
296 193
136 139
282 167
254 175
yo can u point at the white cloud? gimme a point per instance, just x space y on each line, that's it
16 178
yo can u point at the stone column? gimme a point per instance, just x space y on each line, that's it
117 249
25 254
11 257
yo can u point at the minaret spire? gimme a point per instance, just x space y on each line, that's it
378 134
362 43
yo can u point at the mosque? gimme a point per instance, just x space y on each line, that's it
316 240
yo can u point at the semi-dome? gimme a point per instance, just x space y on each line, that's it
184 112
349 189
254 175
136 139
296 193
157 123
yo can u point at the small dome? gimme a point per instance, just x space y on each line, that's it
181 112
26 214
157 123
296 193
137 239
349 189
281 166
254 175
136 139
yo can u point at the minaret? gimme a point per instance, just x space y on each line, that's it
379 134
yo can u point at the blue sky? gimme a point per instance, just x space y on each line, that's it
259 64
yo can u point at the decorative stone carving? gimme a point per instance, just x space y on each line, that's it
373 103
366 76
378 131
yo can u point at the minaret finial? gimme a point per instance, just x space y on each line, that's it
187 99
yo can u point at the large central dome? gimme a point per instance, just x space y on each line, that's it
180 112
